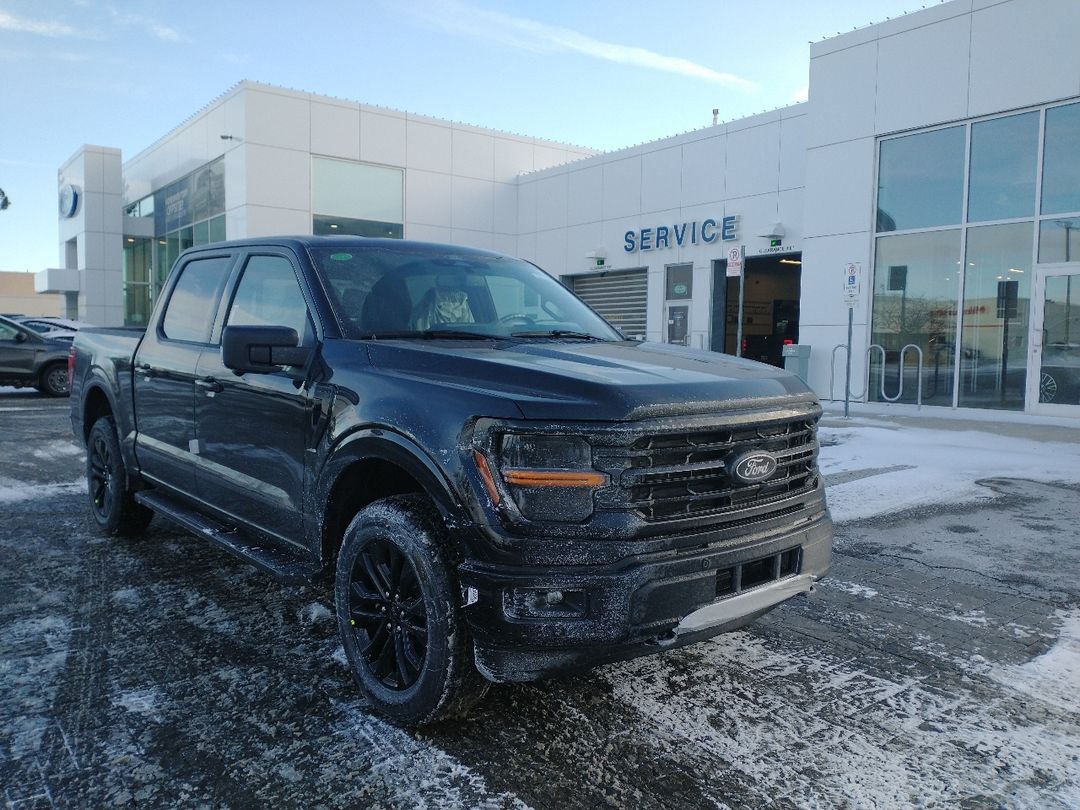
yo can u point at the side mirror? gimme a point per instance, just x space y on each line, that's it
261 349
20 337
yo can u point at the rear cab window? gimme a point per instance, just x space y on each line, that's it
189 314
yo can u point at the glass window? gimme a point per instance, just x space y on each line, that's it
342 188
1059 371
201 233
217 229
190 311
405 291
137 259
161 262
269 295
1004 154
1059 240
172 251
136 304
195 196
997 283
8 333
342 226
680 281
921 180
915 287
1061 160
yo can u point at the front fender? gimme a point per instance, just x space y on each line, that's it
383 444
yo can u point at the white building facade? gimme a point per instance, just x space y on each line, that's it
930 189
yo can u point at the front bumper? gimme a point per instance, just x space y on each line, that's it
638 605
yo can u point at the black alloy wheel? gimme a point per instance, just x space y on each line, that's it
386 610
101 467
398 605
111 500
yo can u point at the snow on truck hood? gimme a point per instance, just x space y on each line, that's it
572 380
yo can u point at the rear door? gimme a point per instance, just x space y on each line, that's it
253 429
164 371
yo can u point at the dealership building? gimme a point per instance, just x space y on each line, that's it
927 194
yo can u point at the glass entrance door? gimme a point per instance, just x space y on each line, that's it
1054 387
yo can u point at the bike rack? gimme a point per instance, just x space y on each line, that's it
859 397
900 389
832 376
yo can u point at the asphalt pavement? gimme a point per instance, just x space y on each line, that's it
935 667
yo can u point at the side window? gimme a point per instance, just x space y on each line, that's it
190 313
8 332
269 295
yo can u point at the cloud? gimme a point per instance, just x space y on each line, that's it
800 95
8 55
45 28
521 32
163 32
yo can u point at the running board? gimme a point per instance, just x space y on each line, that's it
286 567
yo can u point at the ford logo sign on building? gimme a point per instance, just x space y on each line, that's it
753 467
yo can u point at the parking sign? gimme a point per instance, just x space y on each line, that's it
852 283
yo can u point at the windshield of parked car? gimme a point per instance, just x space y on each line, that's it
422 291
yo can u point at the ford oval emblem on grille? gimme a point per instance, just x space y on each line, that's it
752 467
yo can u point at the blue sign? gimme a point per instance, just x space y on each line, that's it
685 233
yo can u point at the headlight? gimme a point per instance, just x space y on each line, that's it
550 477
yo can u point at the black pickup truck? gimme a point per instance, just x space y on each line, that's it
499 483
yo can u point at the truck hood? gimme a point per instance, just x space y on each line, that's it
575 380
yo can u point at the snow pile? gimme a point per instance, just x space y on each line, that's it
939 466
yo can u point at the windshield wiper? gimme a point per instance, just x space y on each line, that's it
433 334
559 333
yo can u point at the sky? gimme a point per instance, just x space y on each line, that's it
604 74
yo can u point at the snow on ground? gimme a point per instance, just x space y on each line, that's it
939 466
1054 676
12 491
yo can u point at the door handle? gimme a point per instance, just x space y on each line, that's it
146 370
210 385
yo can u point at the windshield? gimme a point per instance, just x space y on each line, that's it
428 291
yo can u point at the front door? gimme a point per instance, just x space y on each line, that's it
252 428
1054 384
678 324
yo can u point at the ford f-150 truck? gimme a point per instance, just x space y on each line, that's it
498 483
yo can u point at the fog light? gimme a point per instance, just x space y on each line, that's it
543 603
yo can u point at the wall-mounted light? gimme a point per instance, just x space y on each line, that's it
790 261
774 231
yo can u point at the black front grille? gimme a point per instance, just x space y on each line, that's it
684 474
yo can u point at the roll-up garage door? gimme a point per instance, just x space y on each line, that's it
619 297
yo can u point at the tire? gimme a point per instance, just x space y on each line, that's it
54 380
398 612
111 500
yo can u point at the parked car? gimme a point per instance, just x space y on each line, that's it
1059 378
29 358
501 486
52 326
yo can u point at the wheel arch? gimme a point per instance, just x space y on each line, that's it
371 465
96 404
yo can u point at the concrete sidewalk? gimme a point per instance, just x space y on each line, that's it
999 423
